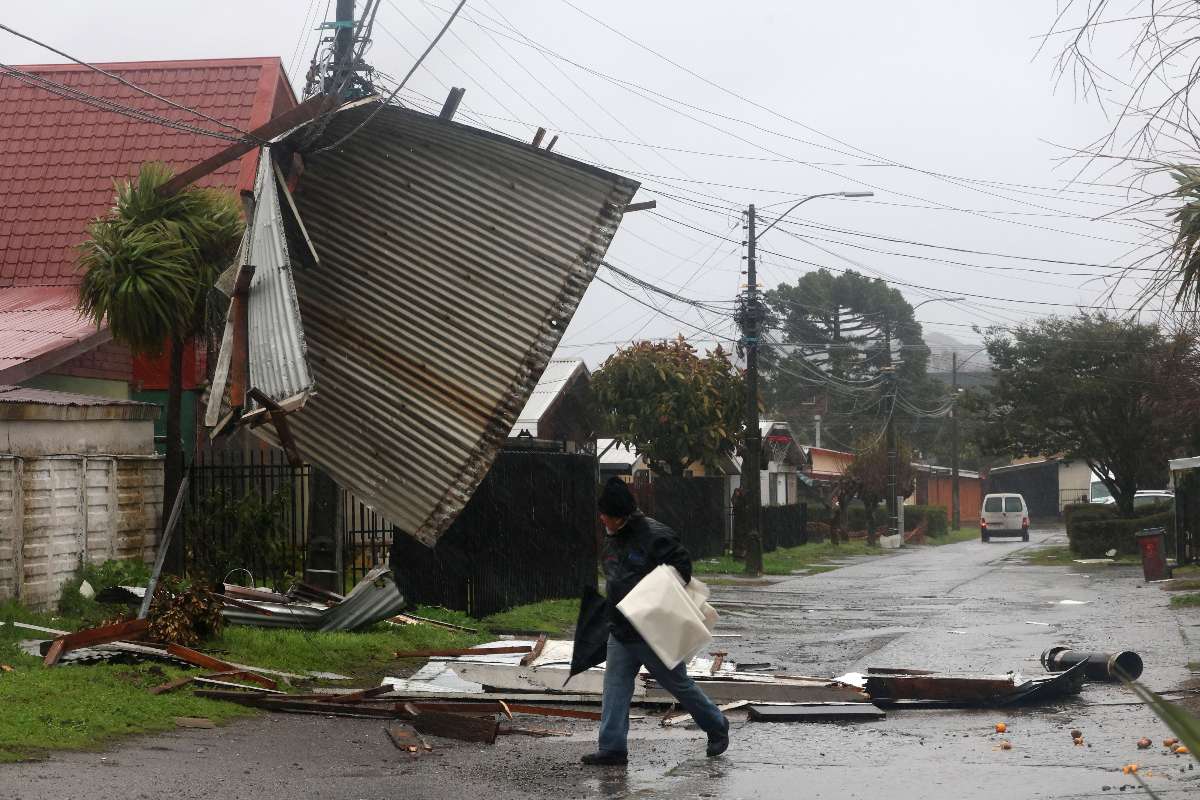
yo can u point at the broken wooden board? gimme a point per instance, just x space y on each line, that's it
814 712
208 662
464 727
465 651
132 629
939 686
779 691
405 738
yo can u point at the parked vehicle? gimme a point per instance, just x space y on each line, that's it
1004 515
1145 497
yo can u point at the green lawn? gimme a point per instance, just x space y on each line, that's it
1062 555
1185 600
811 557
954 537
76 707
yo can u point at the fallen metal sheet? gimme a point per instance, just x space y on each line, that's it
780 691
278 364
374 599
452 260
815 712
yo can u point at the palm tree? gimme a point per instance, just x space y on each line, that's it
148 267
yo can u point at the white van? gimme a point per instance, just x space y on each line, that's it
1004 515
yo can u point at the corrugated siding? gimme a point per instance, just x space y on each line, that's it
276 339
451 262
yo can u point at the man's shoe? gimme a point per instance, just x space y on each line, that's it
718 742
604 758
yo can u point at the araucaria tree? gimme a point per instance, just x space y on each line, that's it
673 405
148 267
1112 392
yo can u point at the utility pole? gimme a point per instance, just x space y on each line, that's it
751 318
892 503
954 507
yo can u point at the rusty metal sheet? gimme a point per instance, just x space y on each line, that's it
452 260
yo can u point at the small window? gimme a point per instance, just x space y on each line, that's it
1013 504
992 504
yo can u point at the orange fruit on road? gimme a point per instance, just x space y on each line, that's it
1001 727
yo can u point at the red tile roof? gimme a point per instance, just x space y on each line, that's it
40 329
59 157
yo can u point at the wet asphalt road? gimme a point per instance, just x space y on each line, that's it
969 606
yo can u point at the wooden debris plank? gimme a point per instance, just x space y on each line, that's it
718 660
451 652
250 690
546 711
940 687
814 712
507 730
533 654
731 691
405 738
170 686
683 716
457 726
242 604
409 619
246 593
195 722
286 703
361 694
132 629
208 662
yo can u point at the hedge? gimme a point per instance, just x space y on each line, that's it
937 523
1088 511
1093 537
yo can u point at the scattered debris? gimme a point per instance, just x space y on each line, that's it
93 636
1144 743
455 726
1001 727
451 652
6 668
413 619
1097 666
195 722
406 739
208 662
913 688
1129 769
1170 742
171 686
1006 745
814 712
535 652
509 730
375 598
1180 750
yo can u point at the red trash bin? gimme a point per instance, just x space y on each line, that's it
1152 544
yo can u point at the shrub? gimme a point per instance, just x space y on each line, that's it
1094 537
1088 511
128 572
227 532
818 531
935 519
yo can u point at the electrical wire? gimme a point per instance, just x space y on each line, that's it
403 81
123 81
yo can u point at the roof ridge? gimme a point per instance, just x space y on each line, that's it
194 63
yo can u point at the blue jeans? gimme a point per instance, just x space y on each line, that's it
620 672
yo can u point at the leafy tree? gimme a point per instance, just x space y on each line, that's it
148 267
866 478
1114 393
674 406
829 352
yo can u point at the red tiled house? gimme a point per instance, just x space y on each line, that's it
58 160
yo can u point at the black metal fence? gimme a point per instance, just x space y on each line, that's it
784 526
527 534
693 507
220 479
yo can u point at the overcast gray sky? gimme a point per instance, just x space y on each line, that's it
871 95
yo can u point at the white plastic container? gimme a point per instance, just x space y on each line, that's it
675 623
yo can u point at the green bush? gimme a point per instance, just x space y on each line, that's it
1088 511
935 517
227 532
129 572
1094 537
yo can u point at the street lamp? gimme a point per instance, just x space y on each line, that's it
751 318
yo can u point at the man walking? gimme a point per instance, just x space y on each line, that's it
634 546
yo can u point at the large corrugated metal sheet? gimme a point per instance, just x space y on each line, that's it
451 262
278 365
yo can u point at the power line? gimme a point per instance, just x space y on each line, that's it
69 93
403 81
123 81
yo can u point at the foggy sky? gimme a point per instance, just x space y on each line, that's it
936 86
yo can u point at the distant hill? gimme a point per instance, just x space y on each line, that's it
943 346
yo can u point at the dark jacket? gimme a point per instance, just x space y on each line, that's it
631 554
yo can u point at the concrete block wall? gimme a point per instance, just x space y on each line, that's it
57 512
